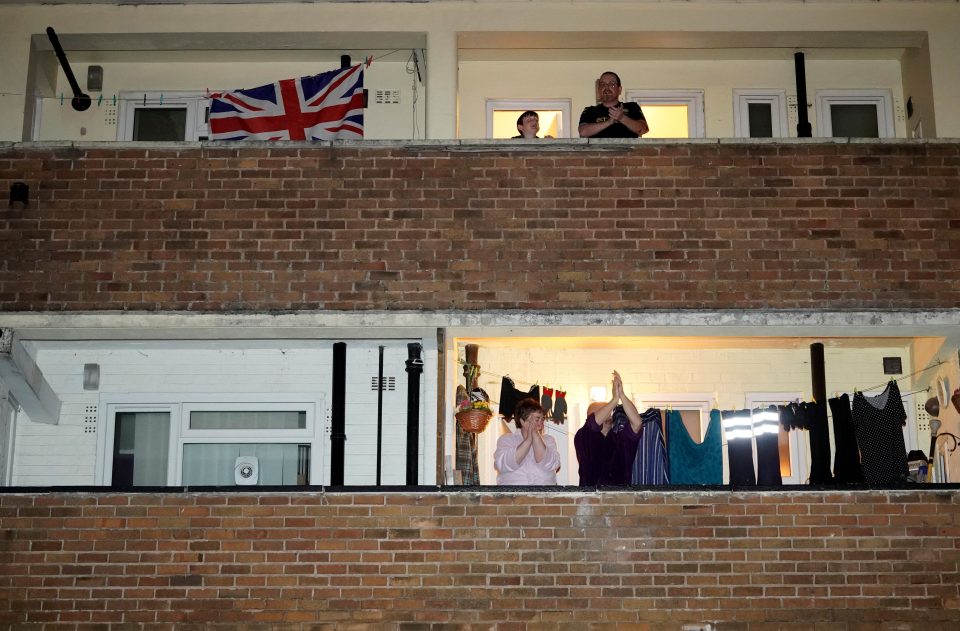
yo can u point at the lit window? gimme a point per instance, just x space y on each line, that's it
502 117
671 113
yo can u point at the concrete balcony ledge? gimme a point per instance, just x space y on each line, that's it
478 145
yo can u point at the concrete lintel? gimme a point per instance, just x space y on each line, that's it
372 324
26 382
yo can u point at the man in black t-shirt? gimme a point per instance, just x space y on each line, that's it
611 118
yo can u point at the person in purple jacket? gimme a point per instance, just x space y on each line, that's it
607 443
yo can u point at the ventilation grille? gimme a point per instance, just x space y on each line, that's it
923 419
389 383
90 419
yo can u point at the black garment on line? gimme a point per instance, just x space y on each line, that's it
739 449
510 397
846 459
768 447
879 429
816 414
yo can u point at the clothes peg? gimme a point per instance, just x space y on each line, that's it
144 99
161 98
99 100
61 99
114 100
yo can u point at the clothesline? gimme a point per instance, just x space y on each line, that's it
461 362
884 384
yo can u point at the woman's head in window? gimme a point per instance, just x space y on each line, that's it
529 411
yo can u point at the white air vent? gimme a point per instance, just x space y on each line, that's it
90 419
246 470
389 384
386 97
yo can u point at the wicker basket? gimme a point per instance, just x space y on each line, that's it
474 421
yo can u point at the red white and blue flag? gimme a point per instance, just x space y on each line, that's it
326 106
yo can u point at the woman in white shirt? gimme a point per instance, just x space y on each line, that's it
527 457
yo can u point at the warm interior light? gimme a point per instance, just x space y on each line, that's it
598 393
666 121
505 123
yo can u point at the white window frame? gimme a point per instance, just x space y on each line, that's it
104 469
195 102
702 401
563 105
693 99
799 450
9 405
181 434
881 98
307 435
777 99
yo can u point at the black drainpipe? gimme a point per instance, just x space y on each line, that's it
338 415
804 129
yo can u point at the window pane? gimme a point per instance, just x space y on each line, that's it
691 420
761 120
666 120
159 123
140 449
248 420
505 123
213 464
854 121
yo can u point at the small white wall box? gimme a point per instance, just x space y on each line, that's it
246 470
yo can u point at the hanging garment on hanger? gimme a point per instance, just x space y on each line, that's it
738 432
650 464
878 423
791 417
766 432
546 401
560 408
510 397
467 457
691 462
817 424
846 458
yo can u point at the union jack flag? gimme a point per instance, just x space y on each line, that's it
326 106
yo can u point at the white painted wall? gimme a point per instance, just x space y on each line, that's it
481 80
726 373
198 372
404 120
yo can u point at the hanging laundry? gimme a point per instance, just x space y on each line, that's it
650 463
546 401
878 422
467 457
691 462
846 459
766 433
738 432
813 418
560 408
510 396
819 427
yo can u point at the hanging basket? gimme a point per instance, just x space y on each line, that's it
473 421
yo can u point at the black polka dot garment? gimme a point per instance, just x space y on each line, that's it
878 422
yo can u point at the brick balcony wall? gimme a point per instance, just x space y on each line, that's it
799 560
558 225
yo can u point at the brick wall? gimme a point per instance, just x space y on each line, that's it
566 225
808 560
